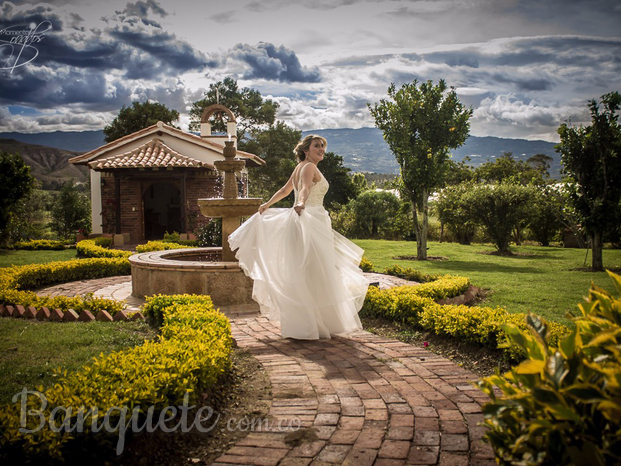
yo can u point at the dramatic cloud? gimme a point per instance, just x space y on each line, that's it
269 62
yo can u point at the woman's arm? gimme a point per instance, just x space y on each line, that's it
307 176
278 195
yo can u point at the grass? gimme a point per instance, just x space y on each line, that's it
10 257
31 350
537 279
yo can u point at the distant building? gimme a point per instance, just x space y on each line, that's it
148 183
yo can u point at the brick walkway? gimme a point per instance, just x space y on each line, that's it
361 399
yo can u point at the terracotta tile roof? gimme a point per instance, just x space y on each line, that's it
153 154
153 129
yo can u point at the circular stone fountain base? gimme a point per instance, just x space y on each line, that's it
179 271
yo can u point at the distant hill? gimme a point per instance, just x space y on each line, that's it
47 164
363 150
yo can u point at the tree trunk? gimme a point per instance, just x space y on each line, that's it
596 243
421 231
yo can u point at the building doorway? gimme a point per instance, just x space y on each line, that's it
162 210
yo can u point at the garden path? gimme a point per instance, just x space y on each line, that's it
362 399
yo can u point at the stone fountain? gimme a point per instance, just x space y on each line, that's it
211 271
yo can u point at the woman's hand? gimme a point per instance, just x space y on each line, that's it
263 207
299 207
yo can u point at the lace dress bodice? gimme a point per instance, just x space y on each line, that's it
317 192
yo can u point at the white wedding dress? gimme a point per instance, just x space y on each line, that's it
305 274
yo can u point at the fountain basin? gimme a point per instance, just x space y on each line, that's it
223 207
179 271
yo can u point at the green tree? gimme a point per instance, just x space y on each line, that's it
508 168
457 173
360 183
71 211
421 124
139 116
453 211
29 217
498 208
542 163
342 187
591 159
251 111
375 214
544 215
274 145
16 183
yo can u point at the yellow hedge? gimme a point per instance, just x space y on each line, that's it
159 246
16 280
193 352
415 305
89 248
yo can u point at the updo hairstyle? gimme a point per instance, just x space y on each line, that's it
305 144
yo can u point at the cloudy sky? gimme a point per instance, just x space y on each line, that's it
524 66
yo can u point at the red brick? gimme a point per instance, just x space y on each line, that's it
121 316
370 438
344 436
453 459
394 449
454 427
326 419
361 457
137 316
86 316
19 311
427 423
427 437
423 455
308 450
402 420
103 316
70 316
43 314
454 442
31 312
400 433
57 315
351 422
334 453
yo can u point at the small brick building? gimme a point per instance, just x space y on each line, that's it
148 183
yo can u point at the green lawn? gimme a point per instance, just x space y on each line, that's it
538 279
22 257
31 350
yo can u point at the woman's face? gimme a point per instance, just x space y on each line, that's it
316 151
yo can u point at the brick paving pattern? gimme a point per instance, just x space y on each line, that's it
369 400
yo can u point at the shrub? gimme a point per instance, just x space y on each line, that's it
153 308
562 405
192 353
366 265
103 241
98 248
159 246
409 274
171 237
40 244
416 306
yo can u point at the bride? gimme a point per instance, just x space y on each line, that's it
305 274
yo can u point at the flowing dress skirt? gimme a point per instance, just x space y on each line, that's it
305 274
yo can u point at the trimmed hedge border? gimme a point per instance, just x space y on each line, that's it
191 355
89 248
17 281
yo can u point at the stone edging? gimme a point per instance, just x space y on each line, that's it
56 315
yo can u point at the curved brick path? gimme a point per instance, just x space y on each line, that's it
369 400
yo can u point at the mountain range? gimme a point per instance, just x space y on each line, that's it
363 150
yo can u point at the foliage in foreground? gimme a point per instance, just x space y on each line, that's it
562 405
191 355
